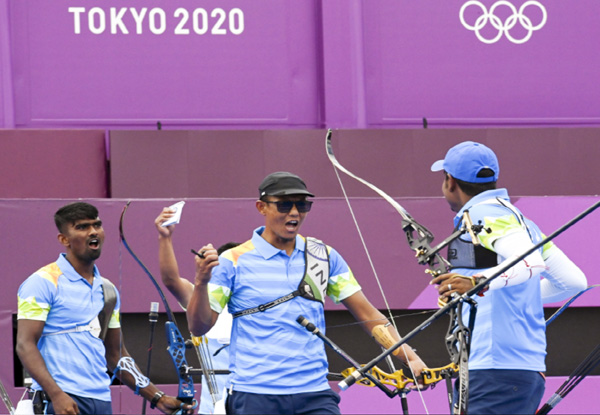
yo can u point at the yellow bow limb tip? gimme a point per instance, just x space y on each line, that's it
431 376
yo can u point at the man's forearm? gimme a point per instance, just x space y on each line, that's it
167 261
199 314
34 363
387 336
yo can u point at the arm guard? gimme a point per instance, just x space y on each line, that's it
127 364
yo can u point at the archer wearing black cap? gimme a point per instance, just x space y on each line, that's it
277 366
282 183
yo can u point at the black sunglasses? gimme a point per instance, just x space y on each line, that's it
285 206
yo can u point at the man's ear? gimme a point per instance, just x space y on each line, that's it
261 207
451 184
63 239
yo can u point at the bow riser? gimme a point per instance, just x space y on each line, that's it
176 348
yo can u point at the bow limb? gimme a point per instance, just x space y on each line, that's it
418 236
371 186
405 216
175 341
141 264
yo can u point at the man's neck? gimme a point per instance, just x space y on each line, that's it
286 245
85 269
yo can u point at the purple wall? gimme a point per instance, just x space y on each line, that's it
421 61
309 64
230 163
53 163
70 69
223 220
171 164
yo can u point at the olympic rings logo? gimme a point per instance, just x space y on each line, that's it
503 27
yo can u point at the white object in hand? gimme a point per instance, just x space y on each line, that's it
177 208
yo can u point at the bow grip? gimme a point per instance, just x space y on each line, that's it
176 348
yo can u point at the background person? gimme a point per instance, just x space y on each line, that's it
219 336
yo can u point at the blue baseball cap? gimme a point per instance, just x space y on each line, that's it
464 161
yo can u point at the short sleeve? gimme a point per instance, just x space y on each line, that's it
220 285
498 219
115 318
35 298
342 283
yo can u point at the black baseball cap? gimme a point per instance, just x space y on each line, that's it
282 183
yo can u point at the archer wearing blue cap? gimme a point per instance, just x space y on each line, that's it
470 162
508 343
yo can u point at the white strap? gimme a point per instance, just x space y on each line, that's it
93 326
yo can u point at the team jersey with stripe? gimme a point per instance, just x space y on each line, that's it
270 352
510 331
59 296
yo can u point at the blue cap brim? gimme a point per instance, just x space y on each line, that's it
438 165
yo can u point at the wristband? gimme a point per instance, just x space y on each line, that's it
156 398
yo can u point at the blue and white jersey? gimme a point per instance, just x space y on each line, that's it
59 296
270 352
510 330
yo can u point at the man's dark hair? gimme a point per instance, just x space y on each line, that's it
473 189
226 246
71 213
